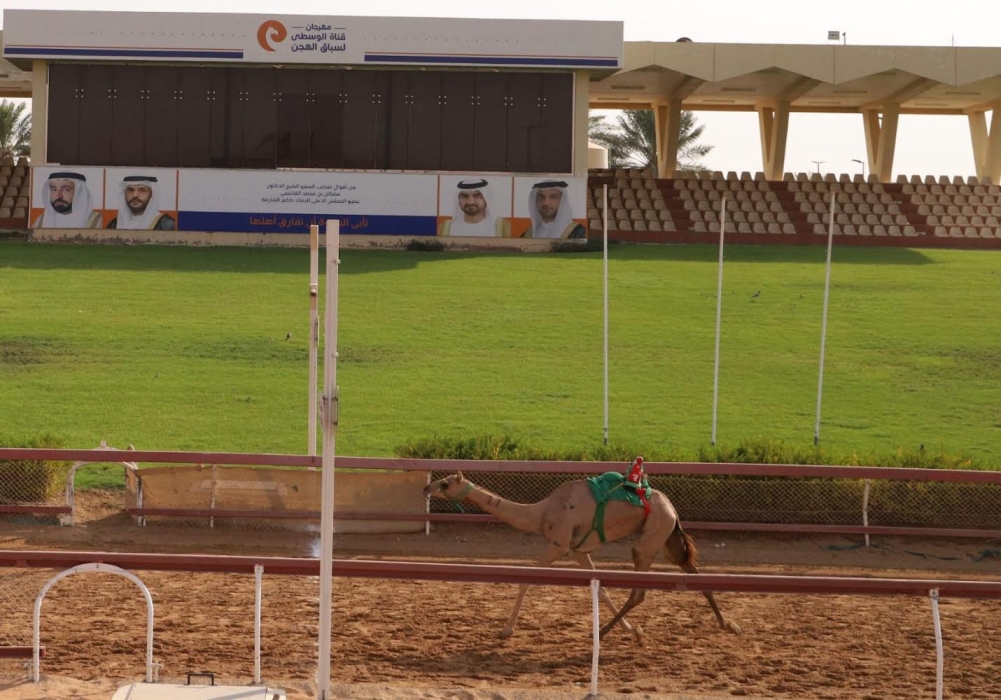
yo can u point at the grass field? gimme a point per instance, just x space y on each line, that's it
185 348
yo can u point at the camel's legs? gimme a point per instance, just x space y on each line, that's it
676 550
547 558
584 559
642 561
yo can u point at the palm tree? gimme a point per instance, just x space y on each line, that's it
632 141
15 130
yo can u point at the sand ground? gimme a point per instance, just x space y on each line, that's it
419 639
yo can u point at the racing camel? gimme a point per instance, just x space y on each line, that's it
570 519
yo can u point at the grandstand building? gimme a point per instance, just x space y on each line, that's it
249 124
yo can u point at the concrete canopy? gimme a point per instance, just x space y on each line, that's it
877 82
14 82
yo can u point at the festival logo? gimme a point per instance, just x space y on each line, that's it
269 31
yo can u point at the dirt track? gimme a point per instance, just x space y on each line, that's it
422 634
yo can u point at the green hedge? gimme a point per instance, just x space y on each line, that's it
732 498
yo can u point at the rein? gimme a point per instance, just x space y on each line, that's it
461 497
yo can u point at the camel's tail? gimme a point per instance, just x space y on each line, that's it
682 547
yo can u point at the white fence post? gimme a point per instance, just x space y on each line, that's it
258 576
865 508
939 652
596 622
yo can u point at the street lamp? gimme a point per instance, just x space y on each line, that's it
862 163
818 163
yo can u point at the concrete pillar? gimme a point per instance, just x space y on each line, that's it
773 125
881 139
39 111
667 120
986 144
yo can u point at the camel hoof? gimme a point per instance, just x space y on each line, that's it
638 634
733 627
506 633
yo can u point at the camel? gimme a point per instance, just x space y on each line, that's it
566 519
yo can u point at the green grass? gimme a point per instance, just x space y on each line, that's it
184 348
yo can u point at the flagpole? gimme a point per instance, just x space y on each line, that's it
719 313
823 324
604 248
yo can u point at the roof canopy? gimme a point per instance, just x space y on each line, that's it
821 78
14 82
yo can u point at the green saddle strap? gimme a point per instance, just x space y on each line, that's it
597 525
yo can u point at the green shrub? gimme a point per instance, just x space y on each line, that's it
429 244
735 498
31 480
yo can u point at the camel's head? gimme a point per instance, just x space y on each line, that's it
449 487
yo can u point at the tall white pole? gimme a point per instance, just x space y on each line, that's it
314 329
719 313
604 248
258 583
823 324
329 429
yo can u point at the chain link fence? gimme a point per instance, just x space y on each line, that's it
783 500
30 488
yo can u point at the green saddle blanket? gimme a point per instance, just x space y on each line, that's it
612 486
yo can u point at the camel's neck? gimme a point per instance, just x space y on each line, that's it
524 516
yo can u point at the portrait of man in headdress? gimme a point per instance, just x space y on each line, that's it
67 203
139 207
551 213
473 213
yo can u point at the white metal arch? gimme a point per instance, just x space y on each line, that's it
71 489
84 568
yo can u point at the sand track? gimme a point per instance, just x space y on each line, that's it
398 637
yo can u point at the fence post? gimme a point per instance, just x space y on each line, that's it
258 576
865 508
939 652
596 622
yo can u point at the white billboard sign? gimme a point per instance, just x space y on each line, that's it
373 41
256 201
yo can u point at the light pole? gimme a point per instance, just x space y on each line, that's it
818 163
862 163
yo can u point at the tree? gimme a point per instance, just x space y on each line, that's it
632 140
15 130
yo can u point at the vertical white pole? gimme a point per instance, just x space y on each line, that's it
823 325
596 624
314 329
329 429
719 313
604 248
939 651
258 576
865 508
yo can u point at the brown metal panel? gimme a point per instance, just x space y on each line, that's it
524 122
260 118
128 111
96 111
398 119
326 118
557 123
63 144
293 118
490 122
194 117
162 107
358 140
457 120
425 133
381 95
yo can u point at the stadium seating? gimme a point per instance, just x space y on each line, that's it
798 205
14 190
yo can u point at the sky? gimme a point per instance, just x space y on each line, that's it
938 145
